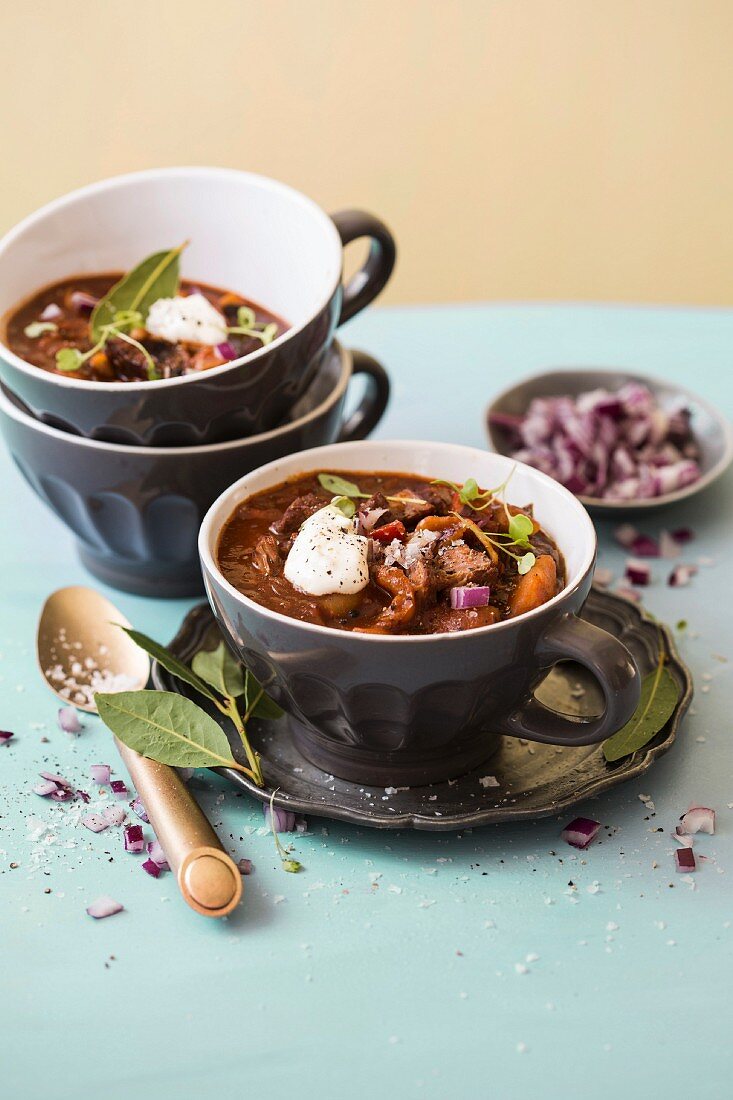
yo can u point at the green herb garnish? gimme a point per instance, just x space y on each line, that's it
288 864
155 277
342 488
659 695
37 328
248 325
345 505
217 676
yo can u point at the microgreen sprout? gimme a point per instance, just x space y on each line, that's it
332 483
288 864
37 328
495 541
71 359
248 325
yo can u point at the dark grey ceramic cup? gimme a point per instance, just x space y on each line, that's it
136 511
409 710
247 233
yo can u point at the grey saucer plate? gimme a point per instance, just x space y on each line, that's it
533 780
712 431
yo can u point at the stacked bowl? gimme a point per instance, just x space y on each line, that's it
131 467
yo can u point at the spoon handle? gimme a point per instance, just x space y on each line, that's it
207 877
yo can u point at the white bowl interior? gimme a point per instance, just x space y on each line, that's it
556 510
247 233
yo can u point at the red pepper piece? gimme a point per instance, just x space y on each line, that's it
394 530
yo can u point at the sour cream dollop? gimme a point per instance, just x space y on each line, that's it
192 319
328 556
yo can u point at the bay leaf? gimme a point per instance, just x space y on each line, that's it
659 695
220 669
266 707
169 662
155 277
166 727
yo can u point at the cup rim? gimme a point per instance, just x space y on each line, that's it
111 183
210 530
8 408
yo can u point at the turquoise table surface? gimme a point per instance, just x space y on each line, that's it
406 964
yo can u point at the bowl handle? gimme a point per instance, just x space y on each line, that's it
370 409
369 280
573 639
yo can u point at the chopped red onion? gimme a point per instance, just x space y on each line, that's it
625 535
683 534
69 720
156 853
119 788
62 794
45 788
100 773
682 838
227 350
139 810
603 577
627 593
115 815
681 576
685 860
467 596
284 820
5 737
580 832
57 779
95 822
51 312
668 545
645 547
151 867
84 796
617 446
104 907
134 841
245 866
698 819
638 572
369 520
82 302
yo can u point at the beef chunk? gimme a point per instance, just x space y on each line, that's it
266 556
127 362
457 564
401 610
296 514
444 620
408 505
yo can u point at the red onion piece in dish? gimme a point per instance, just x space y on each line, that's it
685 860
638 572
115 815
613 446
139 810
227 350
368 520
284 820
698 819
82 302
681 576
134 840
100 773
156 853
104 907
467 596
95 822
580 832
151 867
45 788
245 866
5 737
69 720
51 312
119 788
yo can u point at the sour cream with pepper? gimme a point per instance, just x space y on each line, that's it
328 556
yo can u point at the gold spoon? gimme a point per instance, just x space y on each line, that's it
80 650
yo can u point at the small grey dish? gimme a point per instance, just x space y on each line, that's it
713 433
136 511
520 782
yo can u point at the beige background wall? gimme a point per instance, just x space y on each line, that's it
518 148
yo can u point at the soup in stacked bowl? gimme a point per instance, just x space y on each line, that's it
165 332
